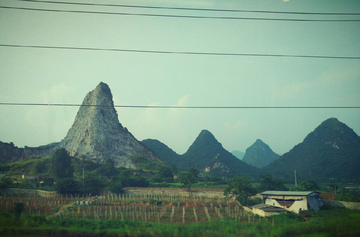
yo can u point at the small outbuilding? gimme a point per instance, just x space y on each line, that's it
295 201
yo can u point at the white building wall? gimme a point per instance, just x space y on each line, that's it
296 207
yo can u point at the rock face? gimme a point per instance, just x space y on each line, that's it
98 135
331 151
259 154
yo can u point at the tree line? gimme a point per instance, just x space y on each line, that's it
67 175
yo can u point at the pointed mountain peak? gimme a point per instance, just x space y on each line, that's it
98 135
332 131
205 133
259 141
206 137
331 150
101 95
259 154
204 140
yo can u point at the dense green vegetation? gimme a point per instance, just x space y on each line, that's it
327 222
331 151
75 175
205 151
241 188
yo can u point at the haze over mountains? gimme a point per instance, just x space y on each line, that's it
332 150
205 152
259 154
238 154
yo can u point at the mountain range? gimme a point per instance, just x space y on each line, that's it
332 150
205 154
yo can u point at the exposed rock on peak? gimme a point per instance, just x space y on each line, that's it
97 133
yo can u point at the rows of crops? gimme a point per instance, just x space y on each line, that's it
147 208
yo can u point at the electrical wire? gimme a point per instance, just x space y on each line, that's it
178 52
181 107
182 16
194 9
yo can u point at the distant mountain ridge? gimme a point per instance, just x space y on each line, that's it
259 154
206 151
238 154
164 152
332 150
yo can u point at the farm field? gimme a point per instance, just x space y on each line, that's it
147 208
163 215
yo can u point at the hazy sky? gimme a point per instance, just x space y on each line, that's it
31 75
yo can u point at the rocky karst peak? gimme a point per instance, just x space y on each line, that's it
97 133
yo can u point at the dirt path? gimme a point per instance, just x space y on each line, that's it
61 209
179 192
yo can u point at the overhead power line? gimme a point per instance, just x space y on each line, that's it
194 9
177 52
181 16
182 107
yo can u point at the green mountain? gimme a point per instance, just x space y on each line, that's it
238 154
331 151
164 152
205 152
259 154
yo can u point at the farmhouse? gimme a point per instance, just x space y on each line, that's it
30 177
295 201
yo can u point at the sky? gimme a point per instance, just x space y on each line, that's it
43 75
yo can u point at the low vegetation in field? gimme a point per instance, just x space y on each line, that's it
328 222
165 215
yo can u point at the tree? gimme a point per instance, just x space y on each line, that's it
5 182
165 172
115 186
67 186
127 179
61 164
241 188
309 185
108 169
267 182
188 179
18 209
93 185
48 181
174 169
41 167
